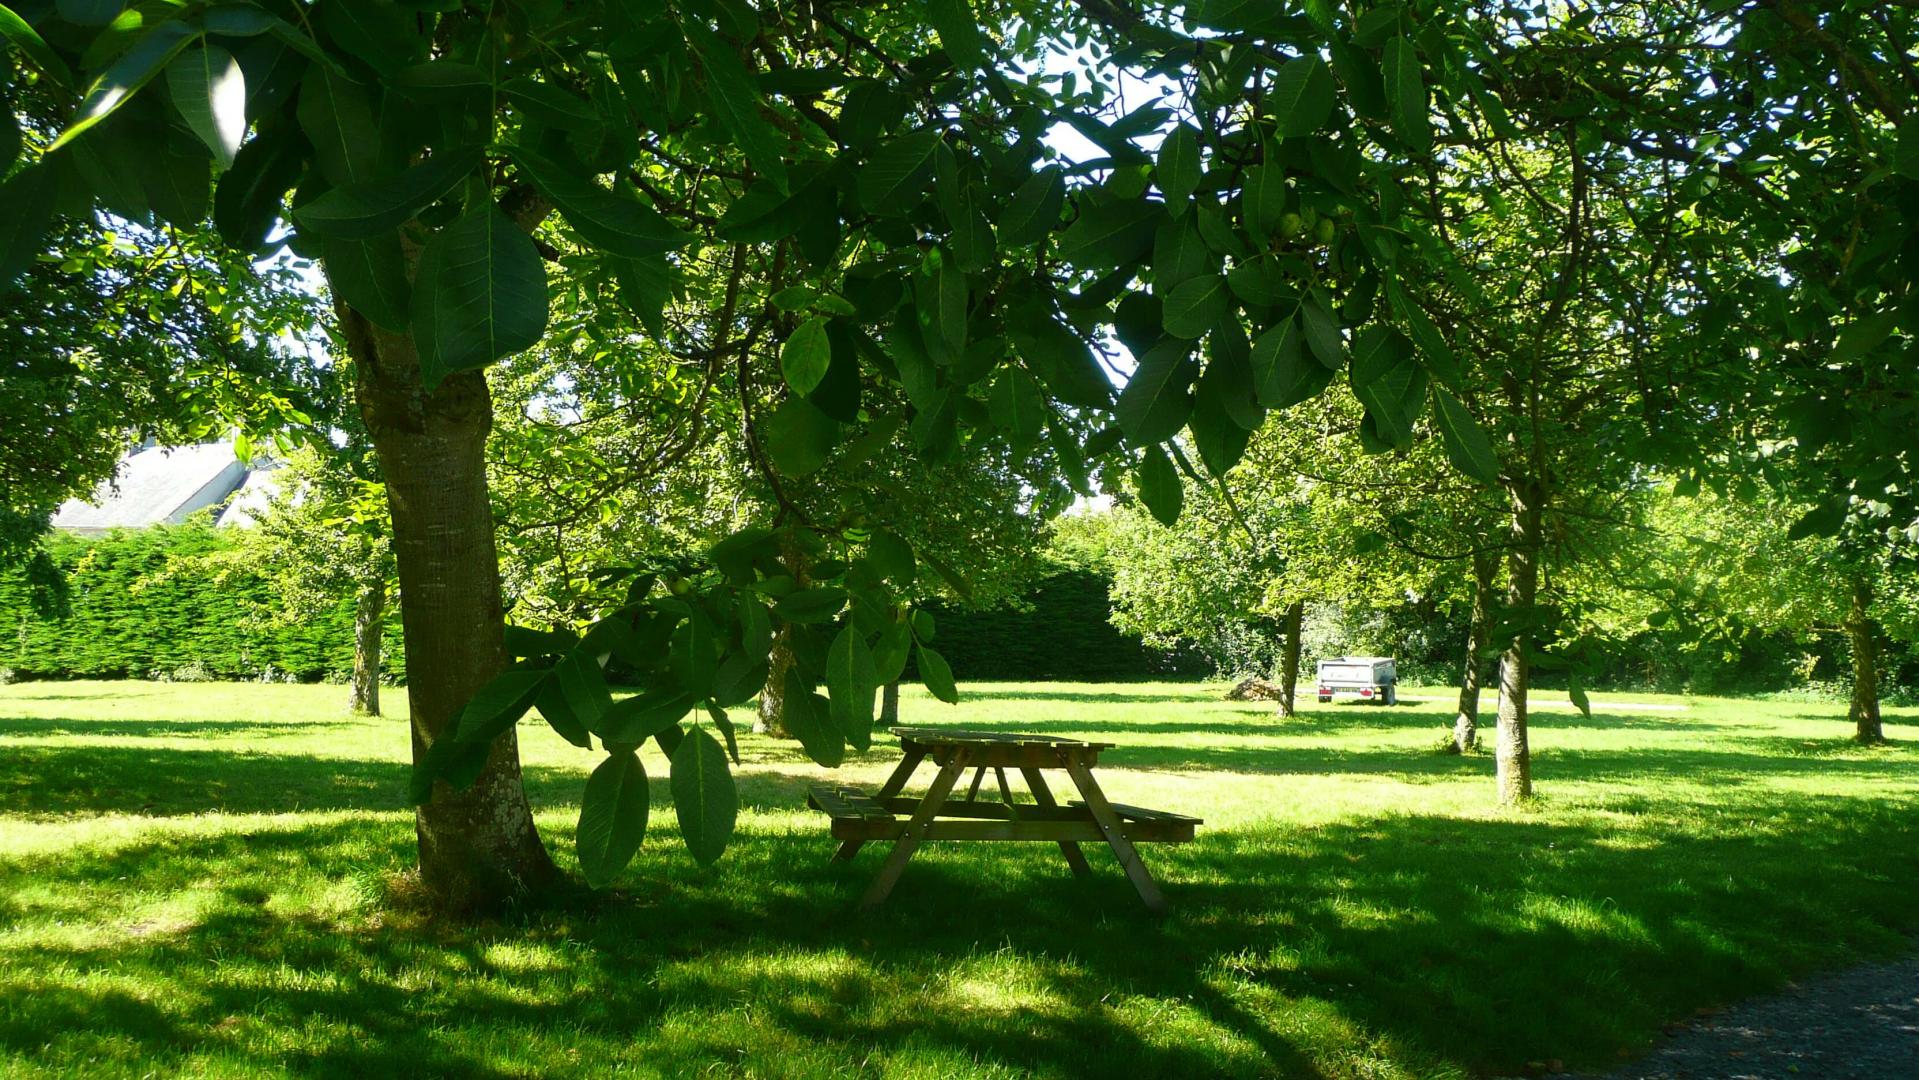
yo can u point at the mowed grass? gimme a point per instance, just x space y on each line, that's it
210 880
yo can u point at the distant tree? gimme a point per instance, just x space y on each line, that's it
325 535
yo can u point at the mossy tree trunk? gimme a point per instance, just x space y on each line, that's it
369 611
479 849
772 717
1478 640
1862 631
1512 756
1289 657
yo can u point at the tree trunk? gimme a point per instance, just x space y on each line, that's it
1514 759
1863 633
890 704
1289 658
1478 639
479 848
368 613
772 719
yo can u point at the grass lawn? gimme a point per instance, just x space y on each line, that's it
209 880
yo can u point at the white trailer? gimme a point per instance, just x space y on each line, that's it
1369 678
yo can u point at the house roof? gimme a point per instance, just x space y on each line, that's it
156 485
253 498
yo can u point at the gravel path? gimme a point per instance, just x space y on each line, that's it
1859 1024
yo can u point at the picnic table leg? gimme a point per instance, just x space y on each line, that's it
901 773
1109 824
1043 795
916 827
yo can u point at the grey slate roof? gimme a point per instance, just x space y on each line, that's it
156 485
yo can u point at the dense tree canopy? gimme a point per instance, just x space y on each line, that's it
1570 242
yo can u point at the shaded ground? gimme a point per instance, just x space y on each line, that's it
1859 1024
206 880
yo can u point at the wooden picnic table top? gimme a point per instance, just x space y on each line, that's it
942 737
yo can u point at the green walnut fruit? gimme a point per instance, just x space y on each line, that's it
1292 226
1324 231
678 586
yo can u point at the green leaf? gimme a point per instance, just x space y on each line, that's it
1826 519
499 704
1864 335
646 287
733 99
851 680
1156 401
1433 349
1196 306
458 763
384 34
337 115
631 721
247 203
480 294
1394 399
583 684
1301 96
1263 199
1159 486
1376 351
1179 255
725 724
29 197
1018 407
547 104
1577 694
1109 234
1467 446
798 437
365 210
1406 92
1178 169
615 222
805 356
815 604
89 12
694 654
613 813
561 716
959 33
28 41
809 718
1276 358
370 276
704 797
1322 334
893 180
135 68
211 95
9 141
1033 211
937 675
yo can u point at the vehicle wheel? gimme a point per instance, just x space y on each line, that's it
1392 696
1325 699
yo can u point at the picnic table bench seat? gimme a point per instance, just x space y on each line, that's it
859 816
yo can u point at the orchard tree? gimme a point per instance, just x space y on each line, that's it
443 167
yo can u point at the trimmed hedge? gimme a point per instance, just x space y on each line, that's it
1063 632
141 604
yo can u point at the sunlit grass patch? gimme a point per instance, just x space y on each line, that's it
208 880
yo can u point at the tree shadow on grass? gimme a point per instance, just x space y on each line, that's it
56 727
1425 942
1156 696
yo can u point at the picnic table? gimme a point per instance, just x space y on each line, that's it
859 818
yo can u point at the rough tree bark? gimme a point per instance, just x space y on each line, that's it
890 704
1289 658
368 611
772 718
1478 639
1513 758
1862 631
479 848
